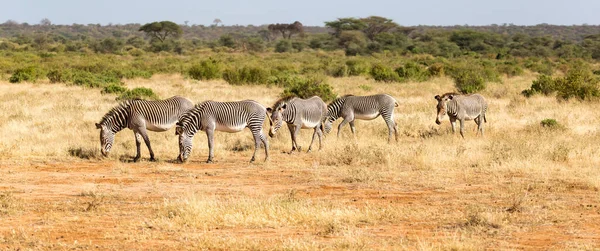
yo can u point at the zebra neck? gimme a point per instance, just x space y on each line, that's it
118 120
452 108
334 109
288 114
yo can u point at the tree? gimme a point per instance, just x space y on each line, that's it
345 24
161 30
289 29
45 21
217 21
376 25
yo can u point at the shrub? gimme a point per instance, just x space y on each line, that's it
550 123
305 87
382 73
283 45
543 84
206 70
413 71
246 75
468 80
579 83
356 67
339 71
114 88
30 73
60 76
511 69
138 93
436 70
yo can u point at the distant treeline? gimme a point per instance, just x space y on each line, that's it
356 36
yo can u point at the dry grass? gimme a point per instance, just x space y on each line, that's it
520 186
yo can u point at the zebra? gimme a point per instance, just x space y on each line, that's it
350 107
462 107
229 117
298 113
141 115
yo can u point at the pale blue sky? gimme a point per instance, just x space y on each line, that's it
309 12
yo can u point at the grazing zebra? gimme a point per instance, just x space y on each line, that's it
139 116
351 107
462 107
230 117
298 113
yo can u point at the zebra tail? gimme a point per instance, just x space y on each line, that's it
395 103
484 119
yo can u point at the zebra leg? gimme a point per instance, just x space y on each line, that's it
391 128
462 128
138 143
479 125
344 122
320 133
258 137
313 139
352 128
292 129
210 134
453 124
147 141
265 142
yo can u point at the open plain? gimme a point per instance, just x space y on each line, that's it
521 186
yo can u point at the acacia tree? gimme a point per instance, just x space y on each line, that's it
375 25
287 30
161 30
345 24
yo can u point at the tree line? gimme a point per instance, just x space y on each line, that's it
355 36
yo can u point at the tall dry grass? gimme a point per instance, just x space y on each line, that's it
482 192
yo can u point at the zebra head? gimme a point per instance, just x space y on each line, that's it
442 106
107 138
276 118
185 142
327 124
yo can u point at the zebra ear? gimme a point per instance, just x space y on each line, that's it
284 106
269 110
98 126
450 96
178 130
437 97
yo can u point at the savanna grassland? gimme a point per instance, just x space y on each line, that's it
521 186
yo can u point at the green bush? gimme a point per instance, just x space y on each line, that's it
283 45
138 93
356 67
468 80
511 69
543 84
339 71
436 70
60 76
382 73
580 82
206 70
88 79
30 73
305 87
246 75
413 71
550 123
114 89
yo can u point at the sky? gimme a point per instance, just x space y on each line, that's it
308 12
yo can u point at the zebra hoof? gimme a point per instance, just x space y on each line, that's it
153 159
209 161
136 159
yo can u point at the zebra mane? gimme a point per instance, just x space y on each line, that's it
282 100
450 93
113 112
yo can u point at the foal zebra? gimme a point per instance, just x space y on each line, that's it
461 108
230 117
351 107
298 113
139 116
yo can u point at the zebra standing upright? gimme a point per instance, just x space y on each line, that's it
139 116
350 107
230 117
461 108
298 113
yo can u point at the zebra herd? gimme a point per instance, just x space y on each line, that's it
312 113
